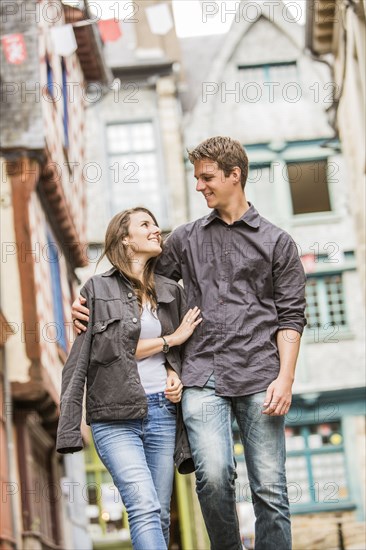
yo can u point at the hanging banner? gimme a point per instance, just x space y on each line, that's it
109 29
63 40
14 47
159 18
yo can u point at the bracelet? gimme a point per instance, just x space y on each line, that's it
166 346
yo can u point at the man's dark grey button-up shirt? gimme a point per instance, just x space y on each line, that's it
248 280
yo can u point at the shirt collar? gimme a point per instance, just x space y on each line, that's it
163 292
251 217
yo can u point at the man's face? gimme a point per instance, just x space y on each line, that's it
213 184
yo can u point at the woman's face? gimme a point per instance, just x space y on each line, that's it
144 236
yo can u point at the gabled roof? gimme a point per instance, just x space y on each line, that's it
205 58
198 54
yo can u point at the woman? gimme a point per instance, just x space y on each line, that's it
130 358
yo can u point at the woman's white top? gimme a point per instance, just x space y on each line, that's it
152 369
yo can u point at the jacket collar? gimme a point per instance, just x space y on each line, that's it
250 217
163 292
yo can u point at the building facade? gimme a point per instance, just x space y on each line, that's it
44 240
261 88
336 33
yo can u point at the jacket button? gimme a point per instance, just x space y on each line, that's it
134 320
142 411
130 294
133 351
137 380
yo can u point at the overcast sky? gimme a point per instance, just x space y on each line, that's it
198 17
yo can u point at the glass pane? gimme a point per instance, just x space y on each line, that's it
283 74
329 475
253 74
142 137
294 439
118 138
334 291
309 187
297 480
326 434
312 304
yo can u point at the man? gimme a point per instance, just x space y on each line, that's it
245 275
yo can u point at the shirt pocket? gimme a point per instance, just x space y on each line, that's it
107 341
252 277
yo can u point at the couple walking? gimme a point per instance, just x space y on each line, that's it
240 318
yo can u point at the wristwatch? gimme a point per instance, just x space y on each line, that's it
166 346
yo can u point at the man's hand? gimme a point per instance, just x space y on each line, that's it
278 397
174 387
79 313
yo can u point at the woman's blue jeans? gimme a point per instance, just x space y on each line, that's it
208 419
139 456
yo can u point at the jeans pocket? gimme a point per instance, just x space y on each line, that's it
171 408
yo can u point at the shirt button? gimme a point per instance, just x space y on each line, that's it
134 320
130 294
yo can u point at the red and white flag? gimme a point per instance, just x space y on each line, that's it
15 50
109 29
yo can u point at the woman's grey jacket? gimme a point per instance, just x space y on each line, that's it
104 357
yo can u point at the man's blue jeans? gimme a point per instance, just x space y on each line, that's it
139 456
208 420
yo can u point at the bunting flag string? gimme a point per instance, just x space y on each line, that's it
159 18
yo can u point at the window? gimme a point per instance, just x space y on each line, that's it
325 305
58 310
65 104
309 187
273 78
316 469
133 168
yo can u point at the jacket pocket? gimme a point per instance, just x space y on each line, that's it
107 342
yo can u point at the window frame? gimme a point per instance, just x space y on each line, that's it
313 506
164 222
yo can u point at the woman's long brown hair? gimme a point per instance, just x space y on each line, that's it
120 256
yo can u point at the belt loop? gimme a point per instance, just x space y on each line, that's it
161 401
